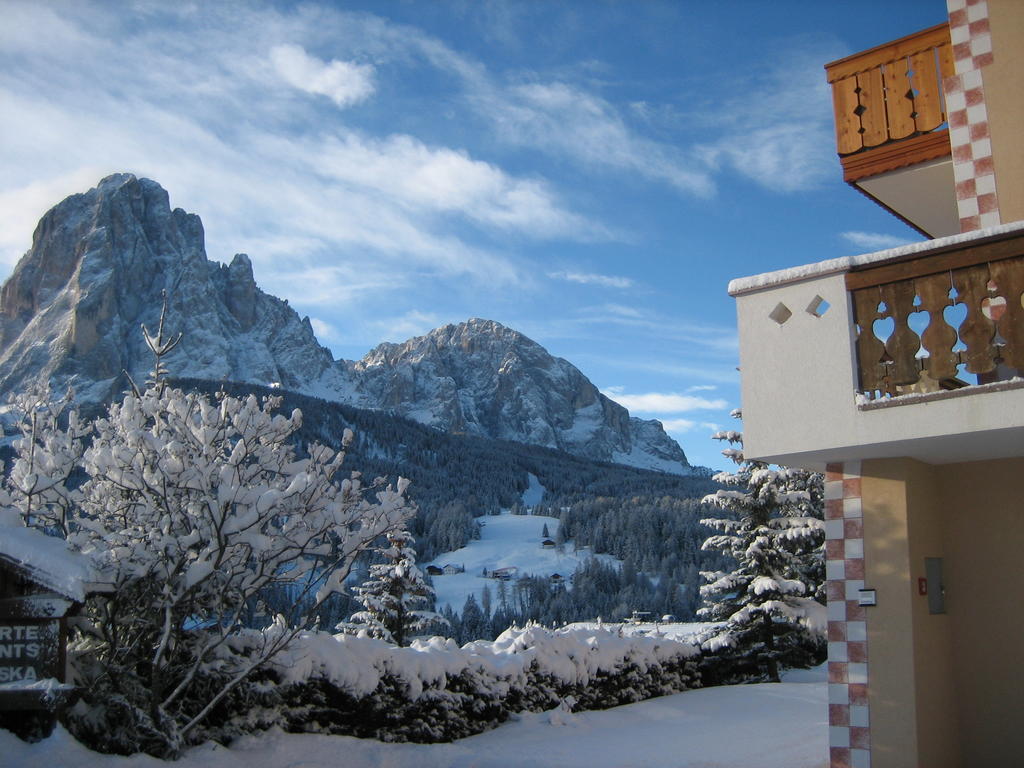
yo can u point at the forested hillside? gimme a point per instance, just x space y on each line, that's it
649 520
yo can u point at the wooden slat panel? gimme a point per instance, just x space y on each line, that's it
844 103
872 100
897 154
928 100
870 350
953 257
1009 278
947 67
873 57
903 344
938 338
977 331
899 107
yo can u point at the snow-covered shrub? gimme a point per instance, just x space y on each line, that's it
191 508
436 691
771 604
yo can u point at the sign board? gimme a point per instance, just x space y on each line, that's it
30 650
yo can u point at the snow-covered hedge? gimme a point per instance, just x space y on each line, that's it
436 691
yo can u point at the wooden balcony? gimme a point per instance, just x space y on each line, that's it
889 105
925 324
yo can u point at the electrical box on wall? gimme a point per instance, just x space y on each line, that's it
933 585
867 597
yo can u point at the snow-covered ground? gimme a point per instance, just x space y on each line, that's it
506 540
682 631
746 726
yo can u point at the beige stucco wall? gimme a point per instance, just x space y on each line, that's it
798 379
984 525
890 623
944 689
1004 100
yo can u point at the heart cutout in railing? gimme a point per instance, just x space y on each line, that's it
993 307
883 328
954 315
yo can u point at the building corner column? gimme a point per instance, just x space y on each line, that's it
849 723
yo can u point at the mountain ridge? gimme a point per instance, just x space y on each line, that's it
100 260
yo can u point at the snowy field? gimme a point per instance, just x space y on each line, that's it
746 726
506 540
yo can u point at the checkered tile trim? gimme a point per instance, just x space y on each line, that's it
973 170
849 728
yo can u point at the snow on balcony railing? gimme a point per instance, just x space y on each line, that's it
922 324
888 94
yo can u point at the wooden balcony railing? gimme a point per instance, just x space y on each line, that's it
889 105
918 320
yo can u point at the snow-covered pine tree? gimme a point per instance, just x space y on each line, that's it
192 510
397 601
770 616
807 510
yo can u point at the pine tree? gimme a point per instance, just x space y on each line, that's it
474 625
396 598
769 612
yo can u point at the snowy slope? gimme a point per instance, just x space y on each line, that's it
781 725
506 540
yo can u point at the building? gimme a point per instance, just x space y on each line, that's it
899 374
42 584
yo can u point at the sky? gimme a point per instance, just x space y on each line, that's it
589 173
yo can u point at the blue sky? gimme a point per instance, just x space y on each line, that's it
589 173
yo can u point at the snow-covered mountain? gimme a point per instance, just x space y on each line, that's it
482 378
100 261
71 311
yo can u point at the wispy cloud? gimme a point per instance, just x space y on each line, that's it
562 118
325 332
405 326
777 129
343 82
678 425
661 402
873 241
214 103
712 338
590 278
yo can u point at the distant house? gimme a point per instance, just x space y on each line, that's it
556 578
548 544
450 570
433 570
509 572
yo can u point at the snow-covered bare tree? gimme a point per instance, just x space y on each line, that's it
772 534
192 508
396 598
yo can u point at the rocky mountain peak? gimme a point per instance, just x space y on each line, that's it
240 295
100 262
483 378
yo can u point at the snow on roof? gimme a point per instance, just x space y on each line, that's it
45 559
743 285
